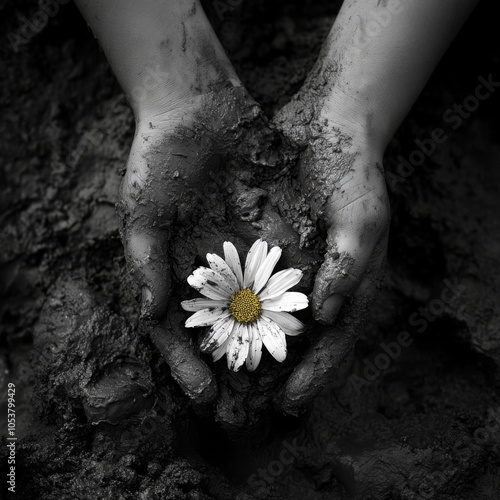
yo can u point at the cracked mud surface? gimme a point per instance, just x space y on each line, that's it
98 413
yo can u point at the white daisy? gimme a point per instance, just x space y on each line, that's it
245 310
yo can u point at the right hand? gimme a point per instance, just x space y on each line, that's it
171 158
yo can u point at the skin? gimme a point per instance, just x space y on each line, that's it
189 105
190 108
356 96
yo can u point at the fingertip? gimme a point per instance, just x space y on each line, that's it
317 369
188 370
327 311
197 382
298 390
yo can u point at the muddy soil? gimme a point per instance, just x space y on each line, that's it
413 413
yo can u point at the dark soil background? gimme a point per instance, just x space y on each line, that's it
426 426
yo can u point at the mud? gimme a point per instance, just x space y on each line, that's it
100 415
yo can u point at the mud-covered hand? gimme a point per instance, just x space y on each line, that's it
170 162
342 178
348 197
171 65
350 106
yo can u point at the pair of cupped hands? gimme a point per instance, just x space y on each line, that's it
175 153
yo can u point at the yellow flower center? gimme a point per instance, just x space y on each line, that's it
245 306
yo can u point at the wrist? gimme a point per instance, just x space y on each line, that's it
179 93
356 118
179 70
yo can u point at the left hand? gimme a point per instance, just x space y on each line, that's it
342 177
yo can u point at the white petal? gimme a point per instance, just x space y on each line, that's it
199 304
214 279
255 349
266 269
289 301
288 323
237 347
219 265
280 283
255 257
273 338
218 334
220 351
207 287
206 317
233 261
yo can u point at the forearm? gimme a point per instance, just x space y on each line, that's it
383 53
155 45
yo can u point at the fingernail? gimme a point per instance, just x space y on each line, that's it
331 307
147 299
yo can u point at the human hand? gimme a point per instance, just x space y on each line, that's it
342 177
172 158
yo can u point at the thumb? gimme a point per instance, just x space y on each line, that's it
340 274
357 218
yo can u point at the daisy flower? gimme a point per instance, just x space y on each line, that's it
245 310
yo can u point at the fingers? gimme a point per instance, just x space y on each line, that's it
146 226
339 276
188 370
323 359
146 250
163 171
317 367
354 228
